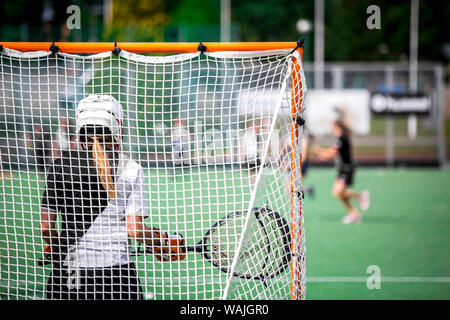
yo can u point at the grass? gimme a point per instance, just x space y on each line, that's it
405 234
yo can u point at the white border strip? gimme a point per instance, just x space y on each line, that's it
25 55
249 54
158 59
152 59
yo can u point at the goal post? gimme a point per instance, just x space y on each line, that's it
297 245
214 128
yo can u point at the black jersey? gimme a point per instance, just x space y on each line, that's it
93 229
74 190
344 161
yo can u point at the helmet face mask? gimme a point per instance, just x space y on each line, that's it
89 133
100 111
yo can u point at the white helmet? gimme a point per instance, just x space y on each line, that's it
101 110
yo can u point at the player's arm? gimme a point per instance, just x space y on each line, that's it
324 154
166 247
49 210
139 231
48 230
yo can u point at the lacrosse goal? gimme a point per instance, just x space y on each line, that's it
217 129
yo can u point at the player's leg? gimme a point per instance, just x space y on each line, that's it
126 285
54 287
363 197
57 288
364 200
351 194
89 285
131 287
339 191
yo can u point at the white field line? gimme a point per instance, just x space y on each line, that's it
383 279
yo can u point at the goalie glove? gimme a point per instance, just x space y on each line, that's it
170 248
51 253
47 249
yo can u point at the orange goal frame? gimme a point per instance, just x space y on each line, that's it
190 47
148 47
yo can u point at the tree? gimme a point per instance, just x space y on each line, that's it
138 20
347 37
270 20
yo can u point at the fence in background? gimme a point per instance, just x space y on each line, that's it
388 142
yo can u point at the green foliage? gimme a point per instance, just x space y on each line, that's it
270 20
347 37
140 20
196 12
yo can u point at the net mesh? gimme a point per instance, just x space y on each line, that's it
205 135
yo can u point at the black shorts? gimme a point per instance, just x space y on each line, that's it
347 175
110 283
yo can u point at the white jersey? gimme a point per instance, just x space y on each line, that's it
106 242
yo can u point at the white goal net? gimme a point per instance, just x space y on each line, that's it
207 156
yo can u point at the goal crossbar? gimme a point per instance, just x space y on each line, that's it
147 47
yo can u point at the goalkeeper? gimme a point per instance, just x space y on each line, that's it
99 194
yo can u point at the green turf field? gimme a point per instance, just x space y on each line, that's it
405 234
187 201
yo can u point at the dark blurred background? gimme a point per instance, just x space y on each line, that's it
402 56
346 35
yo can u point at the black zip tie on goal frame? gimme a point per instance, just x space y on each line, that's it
299 120
54 48
201 47
116 49
298 194
299 44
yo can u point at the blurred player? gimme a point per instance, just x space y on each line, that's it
63 135
249 144
99 194
308 140
285 160
341 151
266 123
181 142
62 139
3 174
40 143
249 155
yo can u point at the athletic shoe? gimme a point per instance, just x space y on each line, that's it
364 200
352 218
